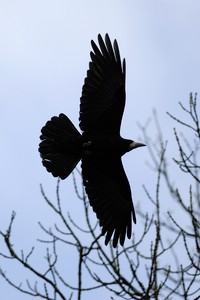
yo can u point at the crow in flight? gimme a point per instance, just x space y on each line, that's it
100 146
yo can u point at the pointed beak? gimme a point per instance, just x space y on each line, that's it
134 145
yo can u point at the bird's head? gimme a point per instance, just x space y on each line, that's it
134 145
128 145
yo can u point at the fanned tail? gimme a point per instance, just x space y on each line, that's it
60 148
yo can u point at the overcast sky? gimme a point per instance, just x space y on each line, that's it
44 56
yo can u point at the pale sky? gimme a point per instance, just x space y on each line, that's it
44 56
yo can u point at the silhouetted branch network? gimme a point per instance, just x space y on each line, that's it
162 260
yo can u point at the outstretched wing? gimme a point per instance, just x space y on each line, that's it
103 94
109 194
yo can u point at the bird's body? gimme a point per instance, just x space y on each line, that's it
100 146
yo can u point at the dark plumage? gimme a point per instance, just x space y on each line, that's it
100 147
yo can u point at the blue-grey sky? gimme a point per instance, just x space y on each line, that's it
44 56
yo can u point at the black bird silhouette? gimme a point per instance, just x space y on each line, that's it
100 147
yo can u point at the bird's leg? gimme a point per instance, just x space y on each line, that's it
86 145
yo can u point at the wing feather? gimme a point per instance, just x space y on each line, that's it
103 93
109 194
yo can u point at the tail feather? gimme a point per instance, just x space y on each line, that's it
60 146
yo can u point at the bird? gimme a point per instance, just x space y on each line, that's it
99 146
